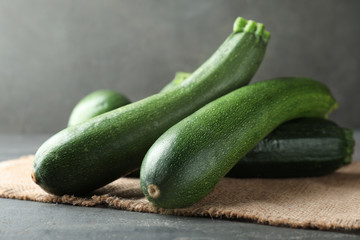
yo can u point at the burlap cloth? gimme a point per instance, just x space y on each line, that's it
329 202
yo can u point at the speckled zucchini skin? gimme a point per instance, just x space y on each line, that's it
89 155
304 147
190 158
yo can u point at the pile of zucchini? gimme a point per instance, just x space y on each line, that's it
199 128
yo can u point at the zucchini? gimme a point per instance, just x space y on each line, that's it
304 147
190 158
89 155
96 103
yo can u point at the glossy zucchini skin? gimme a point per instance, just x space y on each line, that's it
91 154
304 147
96 103
190 158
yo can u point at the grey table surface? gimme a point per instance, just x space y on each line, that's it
33 220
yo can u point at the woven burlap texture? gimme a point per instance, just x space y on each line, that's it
329 202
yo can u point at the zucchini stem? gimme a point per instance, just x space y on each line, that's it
250 26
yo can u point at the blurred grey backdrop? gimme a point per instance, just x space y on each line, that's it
53 53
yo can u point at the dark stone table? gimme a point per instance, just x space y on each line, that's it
33 220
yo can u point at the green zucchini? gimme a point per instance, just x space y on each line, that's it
89 155
304 147
96 103
190 158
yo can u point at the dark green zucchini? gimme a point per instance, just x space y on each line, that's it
304 147
190 158
89 155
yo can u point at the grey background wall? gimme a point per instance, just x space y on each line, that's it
52 53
